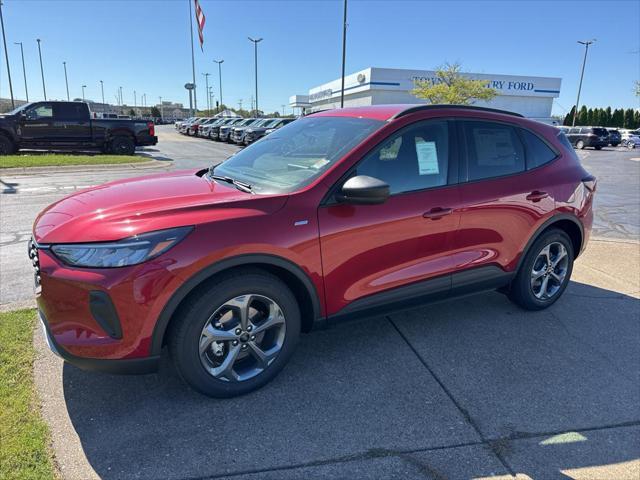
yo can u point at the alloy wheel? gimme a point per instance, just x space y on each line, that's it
242 338
549 271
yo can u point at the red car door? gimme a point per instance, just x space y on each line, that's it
374 254
504 195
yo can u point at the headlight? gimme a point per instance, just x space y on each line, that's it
122 253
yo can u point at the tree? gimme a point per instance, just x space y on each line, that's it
636 119
155 112
450 87
617 119
628 118
607 117
132 112
582 116
636 88
568 119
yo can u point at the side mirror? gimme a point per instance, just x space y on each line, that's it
363 190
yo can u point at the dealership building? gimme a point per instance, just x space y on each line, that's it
529 96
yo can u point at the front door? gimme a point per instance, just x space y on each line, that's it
376 254
37 124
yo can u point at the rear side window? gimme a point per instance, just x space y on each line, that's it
569 148
493 150
538 152
69 111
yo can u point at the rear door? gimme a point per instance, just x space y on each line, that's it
376 254
37 124
504 194
71 123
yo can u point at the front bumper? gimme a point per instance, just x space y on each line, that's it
132 366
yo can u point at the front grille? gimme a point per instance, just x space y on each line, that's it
35 261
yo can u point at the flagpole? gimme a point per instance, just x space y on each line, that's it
193 63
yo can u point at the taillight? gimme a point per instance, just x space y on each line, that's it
152 128
590 183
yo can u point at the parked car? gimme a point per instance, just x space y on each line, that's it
224 133
68 125
179 123
341 213
214 131
236 134
582 137
633 141
204 125
614 137
255 132
184 126
192 129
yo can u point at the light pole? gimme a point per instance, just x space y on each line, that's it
255 57
121 99
220 62
44 88
344 51
211 96
104 107
161 109
584 61
282 110
206 80
66 80
24 71
6 56
83 87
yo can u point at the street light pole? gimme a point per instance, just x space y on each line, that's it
104 107
206 79
24 71
220 62
344 51
255 57
83 87
161 109
66 80
121 99
584 61
193 63
6 56
44 88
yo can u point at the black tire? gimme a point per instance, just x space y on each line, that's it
186 334
123 146
598 147
521 291
580 145
7 147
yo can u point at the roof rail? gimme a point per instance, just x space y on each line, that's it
419 108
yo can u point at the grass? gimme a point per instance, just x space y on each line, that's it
55 160
24 436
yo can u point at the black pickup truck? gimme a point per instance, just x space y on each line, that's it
68 125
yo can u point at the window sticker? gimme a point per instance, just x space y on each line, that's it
427 158
494 147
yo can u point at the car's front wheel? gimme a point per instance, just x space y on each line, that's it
236 334
545 271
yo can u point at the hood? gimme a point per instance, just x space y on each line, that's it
129 207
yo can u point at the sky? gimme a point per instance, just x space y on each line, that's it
144 45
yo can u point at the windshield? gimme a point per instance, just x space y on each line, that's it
18 109
294 155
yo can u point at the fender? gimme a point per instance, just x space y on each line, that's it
202 275
544 226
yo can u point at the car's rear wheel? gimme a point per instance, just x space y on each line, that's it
598 147
237 334
545 271
123 146
580 145
7 147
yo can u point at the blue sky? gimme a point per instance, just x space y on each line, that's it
144 45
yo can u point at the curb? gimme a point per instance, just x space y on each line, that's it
83 168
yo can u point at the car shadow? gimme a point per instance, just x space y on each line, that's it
543 391
9 187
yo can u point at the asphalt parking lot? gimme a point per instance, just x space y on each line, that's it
472 388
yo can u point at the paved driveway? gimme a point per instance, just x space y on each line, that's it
471 388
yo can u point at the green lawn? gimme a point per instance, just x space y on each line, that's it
54 160
24 436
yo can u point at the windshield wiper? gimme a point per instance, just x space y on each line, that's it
242 186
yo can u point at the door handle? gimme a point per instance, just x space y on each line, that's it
437 213
536 196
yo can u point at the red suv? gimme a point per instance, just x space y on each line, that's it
338 214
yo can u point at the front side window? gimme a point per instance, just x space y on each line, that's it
574 130
493 150
296 154
42 111
413 159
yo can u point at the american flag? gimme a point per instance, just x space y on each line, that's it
200 21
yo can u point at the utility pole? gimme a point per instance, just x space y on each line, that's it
193 63
206 79
44 88
104 107
121 99
255 57
344 51
135 101
6 56
161 109
220 62
66 80
240 104
282 110
24 71
83 87
584 62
